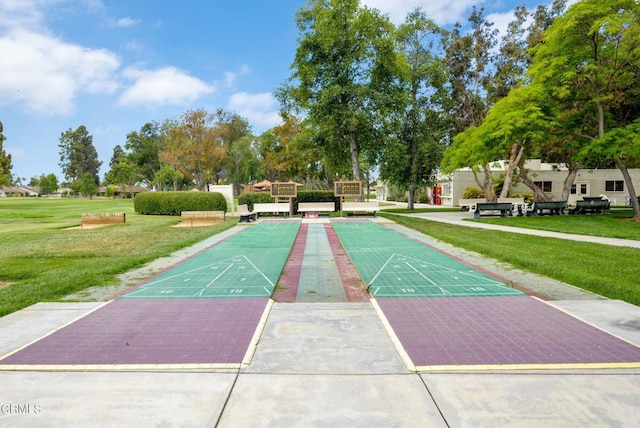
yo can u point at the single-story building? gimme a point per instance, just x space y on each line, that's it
549 177
18 191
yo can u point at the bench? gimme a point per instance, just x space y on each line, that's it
505 208
246 216
590 206
201 218
361 207
102 219
469 204
518 205
316 207
548 207
271 208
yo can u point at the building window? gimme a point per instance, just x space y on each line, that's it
614 185
545 186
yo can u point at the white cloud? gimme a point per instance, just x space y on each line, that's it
164 86
43 74
259 109
124 22
230 77
440 11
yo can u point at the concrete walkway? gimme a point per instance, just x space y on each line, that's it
320 365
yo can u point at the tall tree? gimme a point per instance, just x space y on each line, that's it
411 159
78 155
5 162
286 154
468 64
343 78
233 133
589 68
191 146
48 184
144 147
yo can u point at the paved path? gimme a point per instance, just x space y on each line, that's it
461 219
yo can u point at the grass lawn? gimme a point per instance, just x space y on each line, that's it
609 271
45 256
613 224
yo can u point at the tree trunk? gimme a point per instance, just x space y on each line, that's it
487 185
538 194
355 163
632 191
517 151
568 181
412 195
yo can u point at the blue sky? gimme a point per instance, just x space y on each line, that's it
113 65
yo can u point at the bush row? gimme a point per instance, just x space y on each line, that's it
303 196
173 203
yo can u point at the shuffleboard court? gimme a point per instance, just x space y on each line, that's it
247 264
393 265
152 334
479 333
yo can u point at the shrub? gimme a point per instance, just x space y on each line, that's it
473 192
254 197
528 197
173 203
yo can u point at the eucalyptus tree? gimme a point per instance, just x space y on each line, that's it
343 80
412 157
468 62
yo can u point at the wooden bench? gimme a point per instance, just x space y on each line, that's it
470 204
590 206
505 208
548 207
271 208
201 218
361 207
518 205
316 207
246 216
102 219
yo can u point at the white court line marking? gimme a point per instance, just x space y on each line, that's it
219 275
382 268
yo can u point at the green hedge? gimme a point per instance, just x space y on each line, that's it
303 196
254 197
173 203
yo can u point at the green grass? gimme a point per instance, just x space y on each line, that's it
614 224
45 257
420 210
606 270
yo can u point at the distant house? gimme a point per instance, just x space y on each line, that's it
549 177
123 191
14 191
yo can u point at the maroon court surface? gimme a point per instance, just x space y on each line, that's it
210 331
477 331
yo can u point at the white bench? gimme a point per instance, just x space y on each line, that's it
246 216
271 208
470 204
316 207
361 207
201 218
518 205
